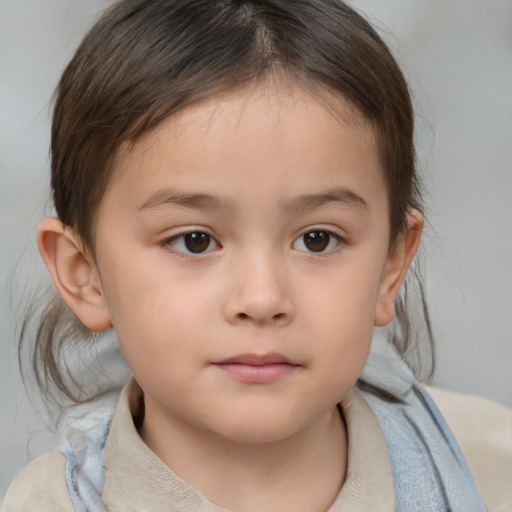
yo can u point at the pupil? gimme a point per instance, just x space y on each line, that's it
316 241
197 242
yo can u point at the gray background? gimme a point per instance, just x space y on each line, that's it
458 59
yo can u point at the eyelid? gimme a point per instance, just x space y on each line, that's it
340 240
167 243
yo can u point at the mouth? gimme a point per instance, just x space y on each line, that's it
256 368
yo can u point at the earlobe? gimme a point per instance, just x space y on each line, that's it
73 272
397 265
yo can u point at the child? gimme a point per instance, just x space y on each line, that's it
236 196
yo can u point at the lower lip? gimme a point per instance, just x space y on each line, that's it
258 373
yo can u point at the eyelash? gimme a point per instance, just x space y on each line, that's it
185 251
326 235
331 236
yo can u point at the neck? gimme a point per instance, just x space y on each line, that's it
303 472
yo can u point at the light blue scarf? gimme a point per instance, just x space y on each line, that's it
429 471
85 467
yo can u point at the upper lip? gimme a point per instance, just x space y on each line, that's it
256 359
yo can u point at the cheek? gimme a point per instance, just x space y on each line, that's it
141 286
152 314
159 319
340 312
345 298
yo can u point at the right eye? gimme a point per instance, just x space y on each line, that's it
192 242
319 241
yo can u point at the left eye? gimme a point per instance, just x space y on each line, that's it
194 242
317 241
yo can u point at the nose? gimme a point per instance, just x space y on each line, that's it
259 293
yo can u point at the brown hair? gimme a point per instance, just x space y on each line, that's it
146 59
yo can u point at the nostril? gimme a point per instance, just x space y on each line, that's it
276 317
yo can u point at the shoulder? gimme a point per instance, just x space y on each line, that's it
483 430
40 487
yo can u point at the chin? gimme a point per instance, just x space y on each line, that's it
262 436
259 431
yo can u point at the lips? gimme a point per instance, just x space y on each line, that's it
256 368
257 359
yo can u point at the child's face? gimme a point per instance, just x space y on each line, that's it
243 253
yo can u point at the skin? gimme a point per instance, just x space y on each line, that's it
250 173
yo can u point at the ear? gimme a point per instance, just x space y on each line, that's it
397 264
74 273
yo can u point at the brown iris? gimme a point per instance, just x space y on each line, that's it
316 241
197 241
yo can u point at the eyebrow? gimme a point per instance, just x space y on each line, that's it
194 201
342 196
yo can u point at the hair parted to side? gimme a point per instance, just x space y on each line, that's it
147 59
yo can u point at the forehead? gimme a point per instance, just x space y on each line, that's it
291 140
280 95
